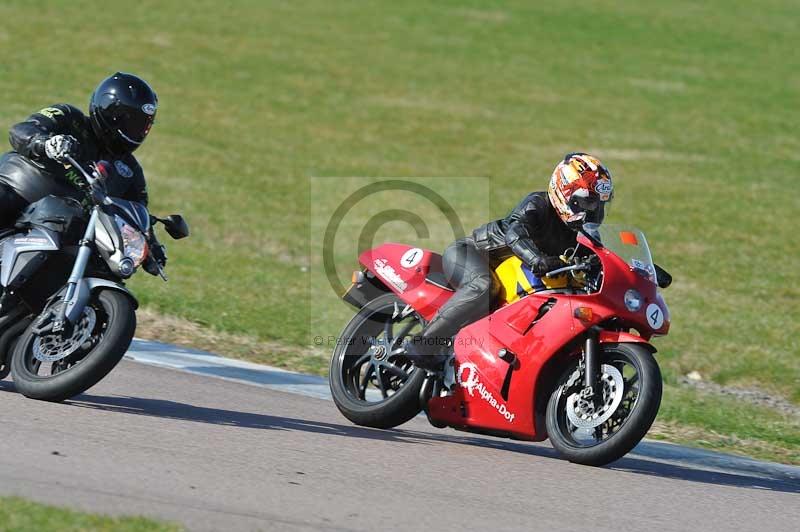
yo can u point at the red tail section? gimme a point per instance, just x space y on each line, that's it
403 269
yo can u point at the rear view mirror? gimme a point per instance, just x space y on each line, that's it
663 279
176 226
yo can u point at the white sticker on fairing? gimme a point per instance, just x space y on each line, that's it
31 240
123 169
383 269
149 109
641 265
655 316
472 384
411 258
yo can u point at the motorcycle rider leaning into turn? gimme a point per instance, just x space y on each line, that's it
122 110
538 231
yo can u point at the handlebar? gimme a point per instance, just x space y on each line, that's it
565 269
580 265
97 194
89 179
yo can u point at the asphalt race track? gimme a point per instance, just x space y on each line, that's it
216 454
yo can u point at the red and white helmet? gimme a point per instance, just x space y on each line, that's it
581 189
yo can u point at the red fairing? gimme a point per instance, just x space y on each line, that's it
480 400
499 360
494 395
403 269
608 302
618 337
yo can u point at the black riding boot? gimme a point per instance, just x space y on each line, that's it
430 349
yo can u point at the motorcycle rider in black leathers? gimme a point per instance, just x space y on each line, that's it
537 231
121 112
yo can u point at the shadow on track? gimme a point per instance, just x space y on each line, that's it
187 412
678 472
174 410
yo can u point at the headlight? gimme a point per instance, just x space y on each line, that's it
633 300
135 245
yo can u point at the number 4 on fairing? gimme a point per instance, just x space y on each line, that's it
655 316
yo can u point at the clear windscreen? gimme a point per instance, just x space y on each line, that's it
628 243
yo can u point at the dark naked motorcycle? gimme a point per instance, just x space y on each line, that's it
66 317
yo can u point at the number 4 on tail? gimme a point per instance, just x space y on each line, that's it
411 258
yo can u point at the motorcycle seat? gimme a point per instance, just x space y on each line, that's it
437 278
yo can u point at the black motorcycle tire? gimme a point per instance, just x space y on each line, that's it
396 410
635 426
116 338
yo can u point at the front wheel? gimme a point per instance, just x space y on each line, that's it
55 367
597 431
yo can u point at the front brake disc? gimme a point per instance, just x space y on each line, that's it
54 347
583 414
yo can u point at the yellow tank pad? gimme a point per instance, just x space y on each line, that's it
517 280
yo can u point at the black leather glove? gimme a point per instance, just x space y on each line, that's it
159 253
158 256
543 265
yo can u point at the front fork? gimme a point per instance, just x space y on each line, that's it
591 363
71 300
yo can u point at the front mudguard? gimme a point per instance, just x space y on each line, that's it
84 291
620 337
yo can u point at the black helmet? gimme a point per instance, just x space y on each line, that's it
122 111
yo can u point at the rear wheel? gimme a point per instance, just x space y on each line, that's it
55 367
598 431
372 382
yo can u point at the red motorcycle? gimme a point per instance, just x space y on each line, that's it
565 357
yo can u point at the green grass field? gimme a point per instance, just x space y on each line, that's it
20 515
692 105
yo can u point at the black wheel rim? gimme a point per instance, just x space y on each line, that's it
373 366
572 383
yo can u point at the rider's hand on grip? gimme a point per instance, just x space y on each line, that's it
59 147
546 264
159 253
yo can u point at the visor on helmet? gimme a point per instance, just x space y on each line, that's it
591 206
134 126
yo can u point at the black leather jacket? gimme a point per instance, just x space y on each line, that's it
531 231
33 175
